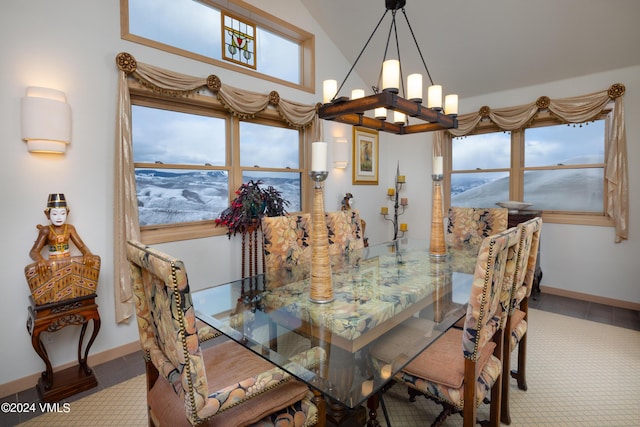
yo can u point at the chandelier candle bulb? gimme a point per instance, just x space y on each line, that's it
399 118
319 156
434 97
357 93
391 75
329 90
414 87
451 105
437 165
380 113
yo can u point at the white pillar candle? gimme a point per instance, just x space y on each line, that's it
329 89
357 93
319 156
437 165
451 104
391 75
414 87
399 118
434 96
380 113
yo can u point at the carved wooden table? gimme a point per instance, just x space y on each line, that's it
53 317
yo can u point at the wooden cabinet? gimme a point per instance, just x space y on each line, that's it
517 218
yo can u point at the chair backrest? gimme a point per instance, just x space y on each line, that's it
345 231
286 241
484 312
526 261
167 326
469 226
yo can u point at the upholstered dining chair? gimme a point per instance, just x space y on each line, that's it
469 226
287 240
222 385
518 310
345 231
460 368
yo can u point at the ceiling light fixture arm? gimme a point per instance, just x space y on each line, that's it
417 46
359 55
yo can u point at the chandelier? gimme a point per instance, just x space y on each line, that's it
387 102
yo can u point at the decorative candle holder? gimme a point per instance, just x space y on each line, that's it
321 290
399 205
437 246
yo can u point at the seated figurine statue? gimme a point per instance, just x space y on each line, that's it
60 276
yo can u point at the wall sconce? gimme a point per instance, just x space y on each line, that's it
46 120
340 153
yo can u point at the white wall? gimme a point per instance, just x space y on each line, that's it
71 46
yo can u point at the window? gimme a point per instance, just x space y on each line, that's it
190 156
263 46
558 168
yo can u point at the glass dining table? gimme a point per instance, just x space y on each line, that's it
391 302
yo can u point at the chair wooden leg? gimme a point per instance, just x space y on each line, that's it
505 416
521 374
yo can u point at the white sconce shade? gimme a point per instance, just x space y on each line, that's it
434 97
451 104
414 87
340 153
391 75
329 90
46 120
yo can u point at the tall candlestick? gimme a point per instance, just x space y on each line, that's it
319 156
321 289
437 165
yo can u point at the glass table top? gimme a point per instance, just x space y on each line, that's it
391 301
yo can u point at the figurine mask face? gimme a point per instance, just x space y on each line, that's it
58 216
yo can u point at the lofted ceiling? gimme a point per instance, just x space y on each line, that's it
476 47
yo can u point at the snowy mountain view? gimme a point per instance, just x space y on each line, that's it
167 197
563 189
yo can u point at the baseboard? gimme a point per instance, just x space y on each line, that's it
29 381
591 298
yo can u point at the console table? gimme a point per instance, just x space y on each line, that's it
53 317
517 218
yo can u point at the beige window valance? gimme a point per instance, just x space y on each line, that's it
577 109
239 102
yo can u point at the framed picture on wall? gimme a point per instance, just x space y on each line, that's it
365 156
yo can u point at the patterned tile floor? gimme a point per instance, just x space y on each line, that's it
584 373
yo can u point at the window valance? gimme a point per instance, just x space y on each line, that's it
577 109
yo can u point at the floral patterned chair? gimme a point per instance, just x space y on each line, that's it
222 385
287 241
469 226
345 232
457 376
518 310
